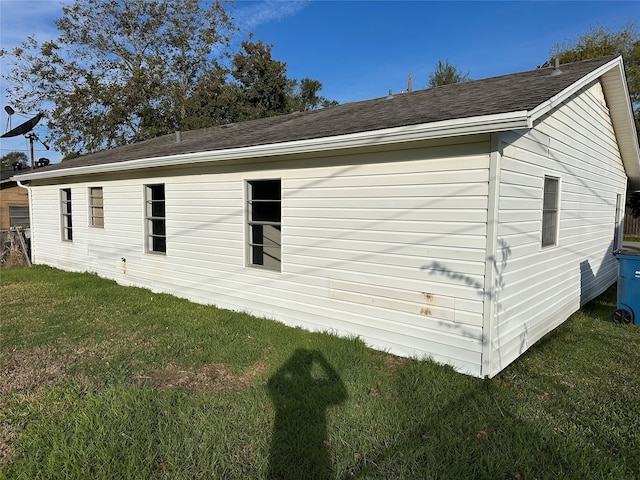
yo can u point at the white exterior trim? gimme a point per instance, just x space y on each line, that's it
491 253
408 133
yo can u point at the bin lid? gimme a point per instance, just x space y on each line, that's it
633 252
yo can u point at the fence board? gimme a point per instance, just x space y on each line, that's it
631 225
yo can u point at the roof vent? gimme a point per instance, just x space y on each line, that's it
178 136
556 68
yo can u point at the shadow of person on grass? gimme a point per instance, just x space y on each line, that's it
301 391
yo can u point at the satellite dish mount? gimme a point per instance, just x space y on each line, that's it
25 129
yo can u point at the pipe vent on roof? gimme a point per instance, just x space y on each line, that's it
178 136
556 68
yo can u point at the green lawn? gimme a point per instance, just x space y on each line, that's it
100 381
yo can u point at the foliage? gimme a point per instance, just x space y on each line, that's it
305 96
446 74
633 203
601 41
7 161
261 81
126 71
103 381
119 71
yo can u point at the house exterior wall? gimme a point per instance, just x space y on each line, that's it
388 244
538 288
11 196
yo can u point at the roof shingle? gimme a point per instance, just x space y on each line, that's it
504 94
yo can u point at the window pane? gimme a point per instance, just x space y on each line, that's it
159 244
266 256
266 211
157 208
265 240
155 215
19 216
65 210
265 190
550 211
158 227
267 235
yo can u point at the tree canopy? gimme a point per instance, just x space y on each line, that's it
446 74
600 41
125 71
7 161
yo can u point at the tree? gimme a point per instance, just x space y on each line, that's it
125 71
305 96
7 161
261 81
120 71
600 41
446 74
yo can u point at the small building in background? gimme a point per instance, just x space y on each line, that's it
14 202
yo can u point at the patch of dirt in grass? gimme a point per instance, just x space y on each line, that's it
30 372
208 378
8 435
393 363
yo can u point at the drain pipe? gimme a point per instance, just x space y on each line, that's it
28 189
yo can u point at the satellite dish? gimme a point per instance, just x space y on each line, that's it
26 127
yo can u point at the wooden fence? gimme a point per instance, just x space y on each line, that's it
631 225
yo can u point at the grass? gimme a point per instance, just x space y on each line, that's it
107 382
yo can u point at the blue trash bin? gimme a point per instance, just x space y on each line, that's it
628 287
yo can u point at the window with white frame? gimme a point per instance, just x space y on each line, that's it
19 216
96 207
264 223
550 204
155 218
65 214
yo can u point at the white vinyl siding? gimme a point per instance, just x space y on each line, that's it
389 246
540 287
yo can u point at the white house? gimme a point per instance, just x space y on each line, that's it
462 222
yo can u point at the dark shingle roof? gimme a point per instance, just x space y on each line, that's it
508 93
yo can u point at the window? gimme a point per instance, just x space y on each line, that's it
550 211
619 224
65 212
156 230
96 207
19 216
264 223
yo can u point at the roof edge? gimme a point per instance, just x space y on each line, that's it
613 78
561 97
408 133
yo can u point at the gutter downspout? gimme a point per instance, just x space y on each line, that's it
28 189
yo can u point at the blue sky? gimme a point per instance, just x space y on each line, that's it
363 49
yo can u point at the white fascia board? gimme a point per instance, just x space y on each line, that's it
408 133
559 98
